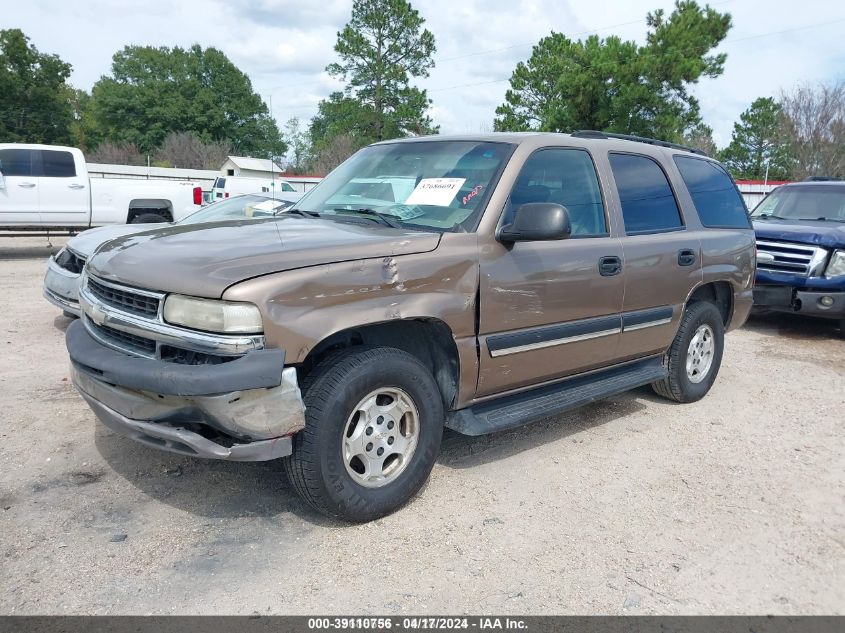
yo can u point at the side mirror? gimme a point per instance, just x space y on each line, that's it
2 180
536 221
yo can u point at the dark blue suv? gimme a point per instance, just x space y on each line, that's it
800 231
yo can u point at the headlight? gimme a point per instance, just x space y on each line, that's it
836 266
229 317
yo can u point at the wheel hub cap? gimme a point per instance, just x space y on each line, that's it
380 437
700 354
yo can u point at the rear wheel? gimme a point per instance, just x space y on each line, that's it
147 218
373 424
695 356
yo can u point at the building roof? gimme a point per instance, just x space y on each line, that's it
255 164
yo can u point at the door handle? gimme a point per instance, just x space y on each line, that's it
686 257
76 185
26 185
610 266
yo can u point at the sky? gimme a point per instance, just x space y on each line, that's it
285 45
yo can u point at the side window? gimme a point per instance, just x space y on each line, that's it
57 164
648 204
566 177
287 187
16 162
713 192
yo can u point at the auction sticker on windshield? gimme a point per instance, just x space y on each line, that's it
436 191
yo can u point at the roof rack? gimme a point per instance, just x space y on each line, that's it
638 139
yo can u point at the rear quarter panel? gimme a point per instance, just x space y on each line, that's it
111 198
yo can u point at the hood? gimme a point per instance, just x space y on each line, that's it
87 242
205 259
827 234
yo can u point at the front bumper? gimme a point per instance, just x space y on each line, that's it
61 287
798 301
242 410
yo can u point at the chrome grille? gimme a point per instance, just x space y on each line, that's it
124 298
124 340
788 257
130 320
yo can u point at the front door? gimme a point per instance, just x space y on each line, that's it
551 309
19 194
64 194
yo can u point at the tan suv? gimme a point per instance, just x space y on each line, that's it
474 282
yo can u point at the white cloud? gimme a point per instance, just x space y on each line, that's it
284 45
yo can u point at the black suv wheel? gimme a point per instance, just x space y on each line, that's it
695 355
373 424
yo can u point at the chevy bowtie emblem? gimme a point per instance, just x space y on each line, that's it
97 315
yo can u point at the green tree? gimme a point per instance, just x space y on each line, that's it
700 137
381 49
298 145
35 104
154 91
757 141
619 86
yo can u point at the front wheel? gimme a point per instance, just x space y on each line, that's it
373 424
695 356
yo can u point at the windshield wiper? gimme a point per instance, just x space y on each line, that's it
300 212
384 218
820 220
767 216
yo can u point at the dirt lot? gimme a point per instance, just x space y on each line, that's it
731 505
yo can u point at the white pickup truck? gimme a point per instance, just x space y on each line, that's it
46 187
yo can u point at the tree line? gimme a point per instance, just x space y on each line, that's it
191 107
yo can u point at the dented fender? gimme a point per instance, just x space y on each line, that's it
305 306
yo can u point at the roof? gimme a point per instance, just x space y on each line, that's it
816 183
537 140
255 164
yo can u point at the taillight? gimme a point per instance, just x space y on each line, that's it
197 195
226 195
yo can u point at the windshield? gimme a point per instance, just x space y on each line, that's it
238 208
439 185
814 202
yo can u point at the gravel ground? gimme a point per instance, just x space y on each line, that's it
633 505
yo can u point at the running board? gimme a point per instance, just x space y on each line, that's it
530 406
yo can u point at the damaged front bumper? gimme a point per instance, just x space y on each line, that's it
246 409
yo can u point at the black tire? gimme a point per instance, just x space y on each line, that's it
331 391
148 218
677 385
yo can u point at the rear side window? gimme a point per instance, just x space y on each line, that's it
713 192
16 162
220 183
648 204
57 164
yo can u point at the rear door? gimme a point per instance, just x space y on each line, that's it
19 195
64 195
551 308
662 255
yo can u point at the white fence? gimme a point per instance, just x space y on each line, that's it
755 190
204 177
